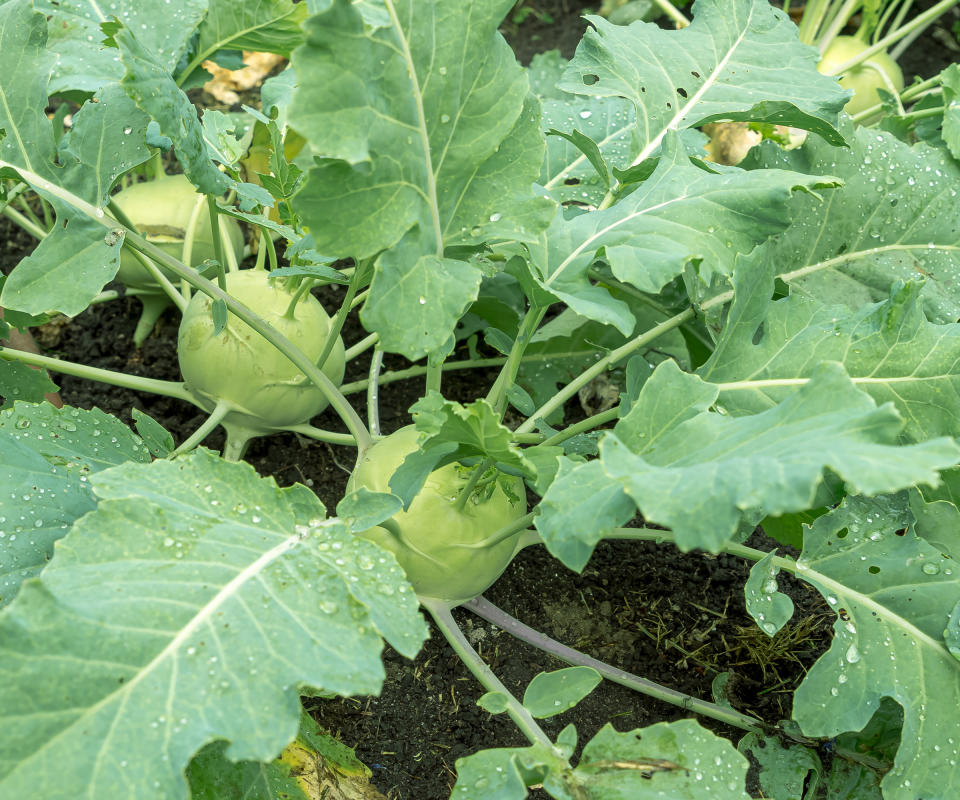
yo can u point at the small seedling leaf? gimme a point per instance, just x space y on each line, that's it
552 693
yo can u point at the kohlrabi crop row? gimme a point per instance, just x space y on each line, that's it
781 334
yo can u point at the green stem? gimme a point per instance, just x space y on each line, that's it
921 20
909 39
29 212
359 299
238 438
217 241
434 374
486 610
36 231
923 113
361 347
153 306
475 476
305 286
604 363
837 24
584 425
497 396
331 437
647 300
914 92
138 384
334 334
171 291
373 392
452 633
503 534
673 12
220 410
813 14
337 401
119 215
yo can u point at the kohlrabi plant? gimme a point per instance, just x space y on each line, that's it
774 344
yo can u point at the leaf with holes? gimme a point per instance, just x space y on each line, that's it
889 350
896 218
892 593
680 215
739 60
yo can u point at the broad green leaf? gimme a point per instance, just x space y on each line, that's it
668 759
46 456
149 84
896 218
86 64
951 634
936 512
65 270
552 693
950 81
25 66
892 593
82 441
580 507
44 503
416 300
610 122
702 473
20 382
216 596
891 352
850 781
770 608
786 772
680 215
107 138
739 60
271 26
413 139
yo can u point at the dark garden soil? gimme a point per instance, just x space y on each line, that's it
677 619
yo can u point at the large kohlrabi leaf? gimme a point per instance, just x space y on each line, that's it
427 135
86 64
739 60
75 260
896 218
609 122
893 594
669 759
680 215
890 350
188 608
702 473
46 456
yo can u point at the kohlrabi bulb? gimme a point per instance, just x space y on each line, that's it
240 366
161 210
